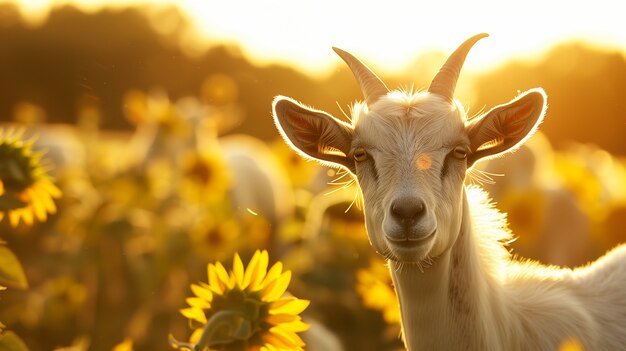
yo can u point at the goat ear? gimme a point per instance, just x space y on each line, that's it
507 126
314 134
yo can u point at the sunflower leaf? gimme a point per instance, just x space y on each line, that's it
11 272
244 331
9 341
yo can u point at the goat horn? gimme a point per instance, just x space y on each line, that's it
444 82
371 86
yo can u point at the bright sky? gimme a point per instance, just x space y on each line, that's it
389 34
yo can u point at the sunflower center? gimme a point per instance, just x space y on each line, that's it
215 237
251 308
16 172
202 172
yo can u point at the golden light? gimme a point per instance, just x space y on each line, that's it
389 35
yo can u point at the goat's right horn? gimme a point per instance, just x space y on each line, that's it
444 82
371 86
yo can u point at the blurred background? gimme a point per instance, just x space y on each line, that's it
156 117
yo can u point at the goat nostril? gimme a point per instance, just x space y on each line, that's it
407 208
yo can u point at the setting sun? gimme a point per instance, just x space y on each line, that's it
389 35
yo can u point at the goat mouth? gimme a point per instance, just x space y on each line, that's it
410 242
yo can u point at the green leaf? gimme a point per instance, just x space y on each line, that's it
9 341
11 272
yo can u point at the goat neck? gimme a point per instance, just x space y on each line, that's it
442 304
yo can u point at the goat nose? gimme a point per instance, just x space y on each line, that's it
407 209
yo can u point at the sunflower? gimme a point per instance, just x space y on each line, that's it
215 238
246 309
26 191
578 177
125 345
525 211
301 172
376 289
205 177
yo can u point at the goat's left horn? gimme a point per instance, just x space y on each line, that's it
444 82
371 86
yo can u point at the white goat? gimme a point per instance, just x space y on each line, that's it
259 183
557 230
458 287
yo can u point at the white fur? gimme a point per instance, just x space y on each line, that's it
475 297
469 294
459 288
259 183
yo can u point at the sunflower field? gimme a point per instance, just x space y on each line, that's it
147 201
174 237
137 240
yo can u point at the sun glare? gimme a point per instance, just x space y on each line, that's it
388 36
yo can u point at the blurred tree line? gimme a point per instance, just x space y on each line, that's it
76 58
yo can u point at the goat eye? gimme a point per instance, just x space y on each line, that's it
360 154
460 153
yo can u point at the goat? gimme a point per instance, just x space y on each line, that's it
556 229
258 182
458 287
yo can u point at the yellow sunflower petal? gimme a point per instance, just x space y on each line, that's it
125 345
273 273
202 292
195 336
198 302
277 319
277 288
289 339
252 266
194 313
258 274
51 189
291 336
214 282
37 204
289 305
27 215
205 286
47 201
238 271
223 276
272 340
295 326
14 217
23 214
